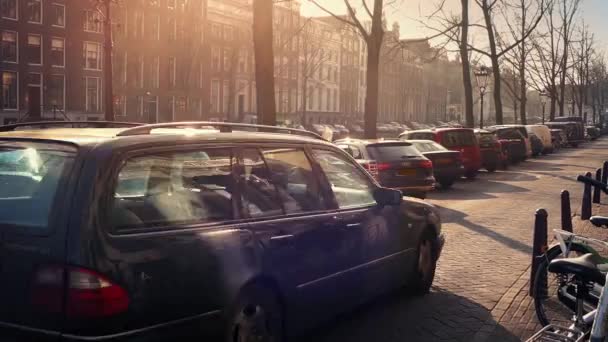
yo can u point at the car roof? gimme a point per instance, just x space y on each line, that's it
368 141
95 136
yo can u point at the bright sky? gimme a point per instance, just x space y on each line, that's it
409 13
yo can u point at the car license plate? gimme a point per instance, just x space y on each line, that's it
444 161
407 172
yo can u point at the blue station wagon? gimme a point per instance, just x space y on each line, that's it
179 229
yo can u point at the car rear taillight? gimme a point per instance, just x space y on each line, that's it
383 166
426 164
84 293
371 167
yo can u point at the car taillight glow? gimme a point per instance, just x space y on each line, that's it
86 294
383 166
426 164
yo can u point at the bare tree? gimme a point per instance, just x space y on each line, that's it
581 54
598 77
264 61
567 11
496 52
516 16
372 35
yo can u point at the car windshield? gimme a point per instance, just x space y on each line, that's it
508 133
486 138
392 151
30 174
428 146
458 138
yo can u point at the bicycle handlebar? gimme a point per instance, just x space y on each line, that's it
593 182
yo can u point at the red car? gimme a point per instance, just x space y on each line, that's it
494 152
454 139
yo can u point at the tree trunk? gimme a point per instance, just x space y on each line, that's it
371 92
495 62
466 66
305 94
264 61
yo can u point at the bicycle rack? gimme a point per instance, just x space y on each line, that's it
553 333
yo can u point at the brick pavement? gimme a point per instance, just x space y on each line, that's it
480 290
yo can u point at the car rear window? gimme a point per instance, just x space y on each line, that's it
523 131
428 146
458 138
486 139
30 174
421 136
392 151
508 134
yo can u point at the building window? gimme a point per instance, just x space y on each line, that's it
58 52
139 78
180 105
56 91
92 21
9 9
242 61
119 105
155 72
92 86
10 90
139 24
155 27
226 96
216 30
172 72
9 47
215 96
172 25
154 3
34 49
92 55
171 4
171 107
57 15
215 58
228 33
34 11
227 63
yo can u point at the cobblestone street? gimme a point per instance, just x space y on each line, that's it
480 291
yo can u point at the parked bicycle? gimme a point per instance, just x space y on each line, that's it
569 283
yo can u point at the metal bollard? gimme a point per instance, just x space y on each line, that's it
566 211
586 204
605 172
539 246
596 190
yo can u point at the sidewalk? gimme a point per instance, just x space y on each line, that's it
515 311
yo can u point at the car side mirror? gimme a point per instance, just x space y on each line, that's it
386 196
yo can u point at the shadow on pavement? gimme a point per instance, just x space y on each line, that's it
459 218
489 186
513 176
398 317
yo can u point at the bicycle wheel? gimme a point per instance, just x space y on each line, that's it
555 294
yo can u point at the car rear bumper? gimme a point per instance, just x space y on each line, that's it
449 173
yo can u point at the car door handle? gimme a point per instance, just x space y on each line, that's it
281 240
353 225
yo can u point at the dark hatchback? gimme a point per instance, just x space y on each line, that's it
156 232
447 165
395 164
513 141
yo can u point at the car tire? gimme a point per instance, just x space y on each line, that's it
471 174
491 169
426 263
257 315
446 184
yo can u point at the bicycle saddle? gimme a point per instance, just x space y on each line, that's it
599 221
583 266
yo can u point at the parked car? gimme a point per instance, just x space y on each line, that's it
493 153
576 132
340 132
395 164
558 138
592 132
454 139
447 165
537 144
542 132
524 133
155 234
513 140
571 129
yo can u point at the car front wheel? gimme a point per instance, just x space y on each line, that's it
425 266
257 316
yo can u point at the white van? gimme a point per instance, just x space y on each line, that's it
544 134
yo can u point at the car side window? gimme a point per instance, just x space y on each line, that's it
351 187
297 186
258 194
167 189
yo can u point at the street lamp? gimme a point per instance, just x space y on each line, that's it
543 101
482 76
